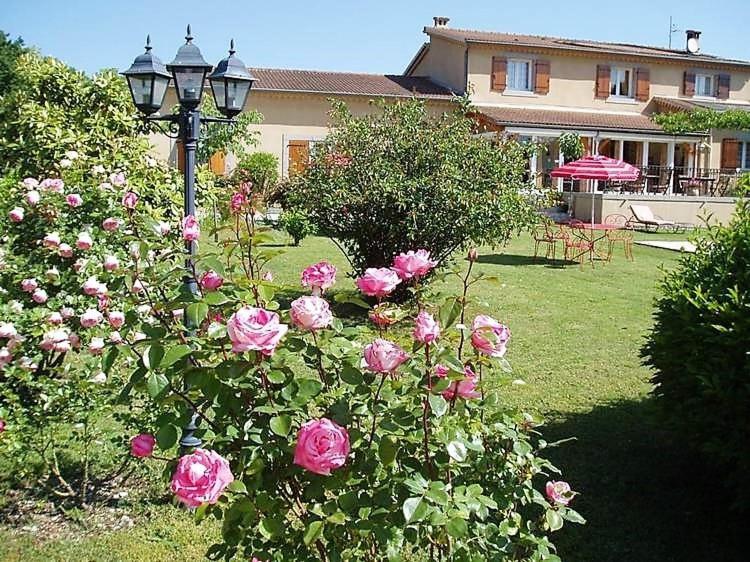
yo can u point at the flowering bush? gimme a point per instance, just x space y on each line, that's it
322 442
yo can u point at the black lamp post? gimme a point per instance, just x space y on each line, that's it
148 79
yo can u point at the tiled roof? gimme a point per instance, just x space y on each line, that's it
690 104
541 41
595 120
347 83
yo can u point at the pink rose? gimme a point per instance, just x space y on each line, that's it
51 240
116 319
33 197
111 263
110 224
52 184
142 445
67 313
383 356
138 287
210 280
74 200
115 337
465 388
255 329
237 202
75 340
55 318
118 179
39 296
96 345
559 492
16 214
29 285
378 282
65 250
413 264
426 330
56 340
91 318
2 428
311 313
322 446
488 336
92 287
106 186
319 277
191 230
5 356
7 330
30 183
84 241
162 228
129 200
102 300
201 477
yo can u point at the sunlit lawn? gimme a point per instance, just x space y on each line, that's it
576 340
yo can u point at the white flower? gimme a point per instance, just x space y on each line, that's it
16 306
7 330
71 155
99 378
98 170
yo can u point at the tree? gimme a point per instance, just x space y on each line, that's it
401 178
9 53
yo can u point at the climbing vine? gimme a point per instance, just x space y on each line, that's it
700 120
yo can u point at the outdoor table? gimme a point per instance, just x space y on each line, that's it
595 232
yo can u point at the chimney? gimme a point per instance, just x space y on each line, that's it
440 21
692 46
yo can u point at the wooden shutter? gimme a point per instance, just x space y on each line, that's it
642 84
499 74
688 84
541 77
602 81
299 156
217 163
730 153
180 156
722 86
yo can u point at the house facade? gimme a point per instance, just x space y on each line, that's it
539 87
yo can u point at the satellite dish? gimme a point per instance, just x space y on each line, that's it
692 45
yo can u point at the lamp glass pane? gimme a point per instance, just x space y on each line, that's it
236 94
141 88
160 89
189 83
217 86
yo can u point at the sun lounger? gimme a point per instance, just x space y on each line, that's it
642 215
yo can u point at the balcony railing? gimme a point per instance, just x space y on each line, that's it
664 180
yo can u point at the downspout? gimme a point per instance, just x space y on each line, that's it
466 70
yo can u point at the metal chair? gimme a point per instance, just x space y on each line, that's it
577 246
545 233
624 235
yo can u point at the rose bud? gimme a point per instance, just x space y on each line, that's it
39 296
91 318
16 214
65 250
142 445
84 241
210 280
110 224
74 200
33 197
116 319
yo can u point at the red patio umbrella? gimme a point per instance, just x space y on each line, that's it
600 168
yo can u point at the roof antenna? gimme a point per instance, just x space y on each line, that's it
672 30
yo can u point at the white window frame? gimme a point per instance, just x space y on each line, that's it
700 78
614 79
529 76
744 155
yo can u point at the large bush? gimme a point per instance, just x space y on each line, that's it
700 345
401 178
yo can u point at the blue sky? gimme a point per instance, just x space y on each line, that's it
352 35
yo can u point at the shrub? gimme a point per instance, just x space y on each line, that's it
297 224
384 183
700 345
261 168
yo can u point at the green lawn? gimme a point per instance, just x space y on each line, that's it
576 340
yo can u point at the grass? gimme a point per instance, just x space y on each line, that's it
576 340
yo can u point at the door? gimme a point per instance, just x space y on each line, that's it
299 156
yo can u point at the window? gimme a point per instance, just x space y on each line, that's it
519 75
704 85
621 82
745 155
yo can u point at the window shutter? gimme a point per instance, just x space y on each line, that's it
180 156
602 81
499 74
541 77
730 153
217 163
688 84
642 84
722 86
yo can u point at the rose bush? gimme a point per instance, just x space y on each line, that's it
325 442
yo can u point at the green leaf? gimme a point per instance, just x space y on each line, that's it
309 387
387 449
166 436
271 527
457 451
174 354
156 384
215 298
195 313
438 496
152 356
415 509
457 527
350 298
276 377
351 375
313 532
449 312
554 520
281 425
237 486
573 516
438 404
108 359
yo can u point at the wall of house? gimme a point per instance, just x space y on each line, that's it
444 64
573 78
718 135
